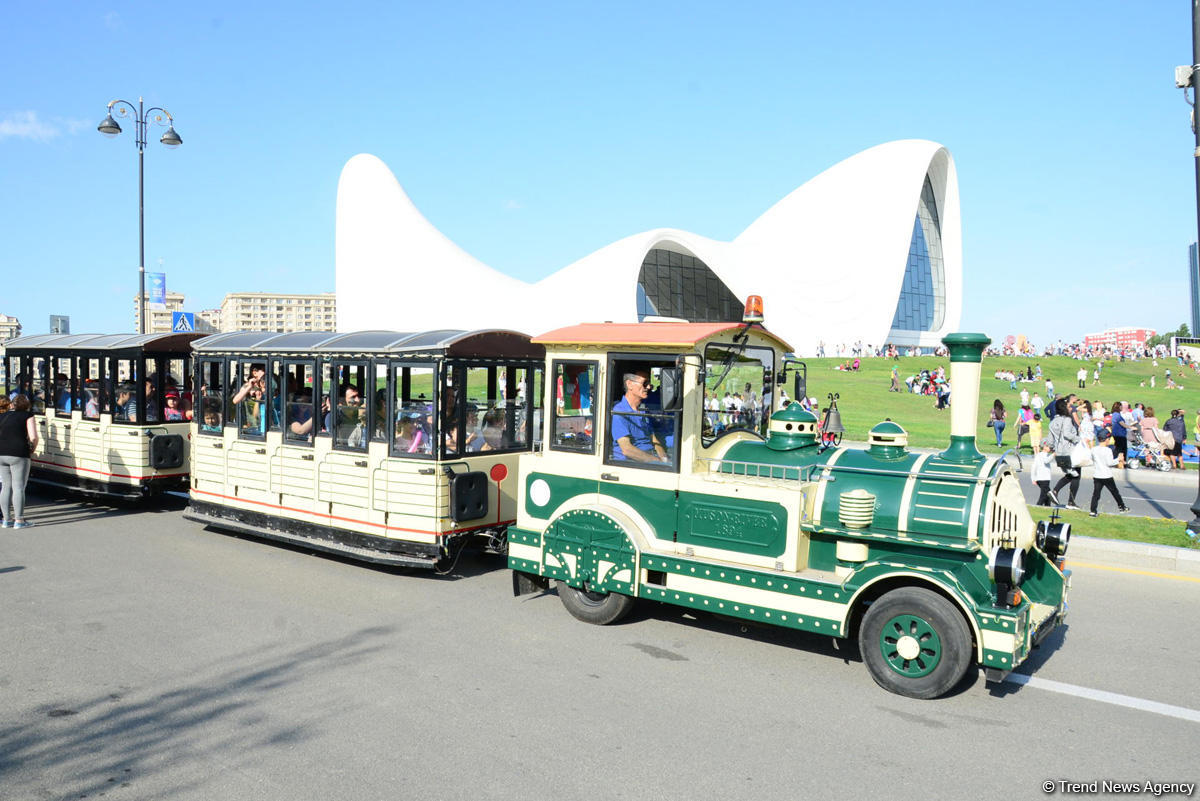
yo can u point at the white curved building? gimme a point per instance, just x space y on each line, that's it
869 250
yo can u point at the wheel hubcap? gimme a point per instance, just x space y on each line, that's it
910 646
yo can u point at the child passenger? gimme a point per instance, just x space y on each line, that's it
173 412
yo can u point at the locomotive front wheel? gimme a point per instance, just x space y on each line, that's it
915 643
600 608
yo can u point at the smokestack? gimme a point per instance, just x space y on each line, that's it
966 357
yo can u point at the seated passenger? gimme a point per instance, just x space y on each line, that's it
91 408
632 430
126 409
173 411
211 422
410 438
493 429
151 401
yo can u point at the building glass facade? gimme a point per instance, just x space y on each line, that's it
922 304
673 284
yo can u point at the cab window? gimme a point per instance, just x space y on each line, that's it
573 414
37 397
127 401
640 434
737 390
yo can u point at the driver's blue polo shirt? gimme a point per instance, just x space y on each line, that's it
633 424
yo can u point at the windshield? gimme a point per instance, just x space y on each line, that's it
737 390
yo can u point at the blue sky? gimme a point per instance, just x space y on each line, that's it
534 133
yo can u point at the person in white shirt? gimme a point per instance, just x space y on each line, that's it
1102 474
1041 471
1024 396
1082 376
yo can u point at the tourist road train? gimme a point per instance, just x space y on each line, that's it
602 458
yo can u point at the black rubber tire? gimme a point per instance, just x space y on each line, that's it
594 607
942 617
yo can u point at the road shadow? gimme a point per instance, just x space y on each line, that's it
45 506
1040 656
84 747
12 569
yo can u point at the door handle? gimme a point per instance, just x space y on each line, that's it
362 463
66 426
260 450
134 433
308 457
610 477
427 471
218 444
95 428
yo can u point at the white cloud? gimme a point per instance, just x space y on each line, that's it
513 205
26 125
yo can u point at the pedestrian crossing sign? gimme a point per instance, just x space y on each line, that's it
183 322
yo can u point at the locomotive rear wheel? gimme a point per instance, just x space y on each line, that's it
599 608
915 643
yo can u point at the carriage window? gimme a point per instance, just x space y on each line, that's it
574 407
298 421
152 389
537 393
379 399
125 392
64 385
16 379
737 390
412 385
327 392
250 398
177 400
37 395
640 433
210 386
350 408
89 385
108 383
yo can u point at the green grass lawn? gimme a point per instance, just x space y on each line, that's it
1123 527
865 399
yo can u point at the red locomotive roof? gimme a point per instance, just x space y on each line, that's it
676 335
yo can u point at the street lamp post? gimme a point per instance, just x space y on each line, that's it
142 120
1194 526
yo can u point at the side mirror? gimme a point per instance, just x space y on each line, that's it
800 388
672 389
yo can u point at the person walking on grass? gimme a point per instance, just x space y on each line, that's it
18 440
996 421
1102 475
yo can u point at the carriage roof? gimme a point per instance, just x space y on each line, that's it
58 343
487 343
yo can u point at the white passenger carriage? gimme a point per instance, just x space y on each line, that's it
394 448
111 410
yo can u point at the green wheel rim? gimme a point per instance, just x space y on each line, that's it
910 646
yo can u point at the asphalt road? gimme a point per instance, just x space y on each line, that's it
145 657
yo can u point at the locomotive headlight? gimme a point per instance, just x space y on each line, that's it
1007 566
1053 538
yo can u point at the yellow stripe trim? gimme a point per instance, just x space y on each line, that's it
1133 571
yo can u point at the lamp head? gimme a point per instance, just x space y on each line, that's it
109 127
170 138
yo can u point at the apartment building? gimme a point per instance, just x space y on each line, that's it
269 311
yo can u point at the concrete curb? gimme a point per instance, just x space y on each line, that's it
1137 555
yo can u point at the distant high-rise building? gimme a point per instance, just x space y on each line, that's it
60 324
10 327
269 311
211 317
158 321
1119 337
1194 281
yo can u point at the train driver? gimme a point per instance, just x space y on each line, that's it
633 433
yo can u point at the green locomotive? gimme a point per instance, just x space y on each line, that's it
931 560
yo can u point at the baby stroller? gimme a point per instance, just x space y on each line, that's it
1148 450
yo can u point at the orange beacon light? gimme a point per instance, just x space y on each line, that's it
754 310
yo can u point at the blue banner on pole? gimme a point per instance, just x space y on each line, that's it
157 294
183 322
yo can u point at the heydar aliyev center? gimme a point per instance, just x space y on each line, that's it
868 251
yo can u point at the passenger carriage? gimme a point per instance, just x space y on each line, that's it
111 410
931 560
393 448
